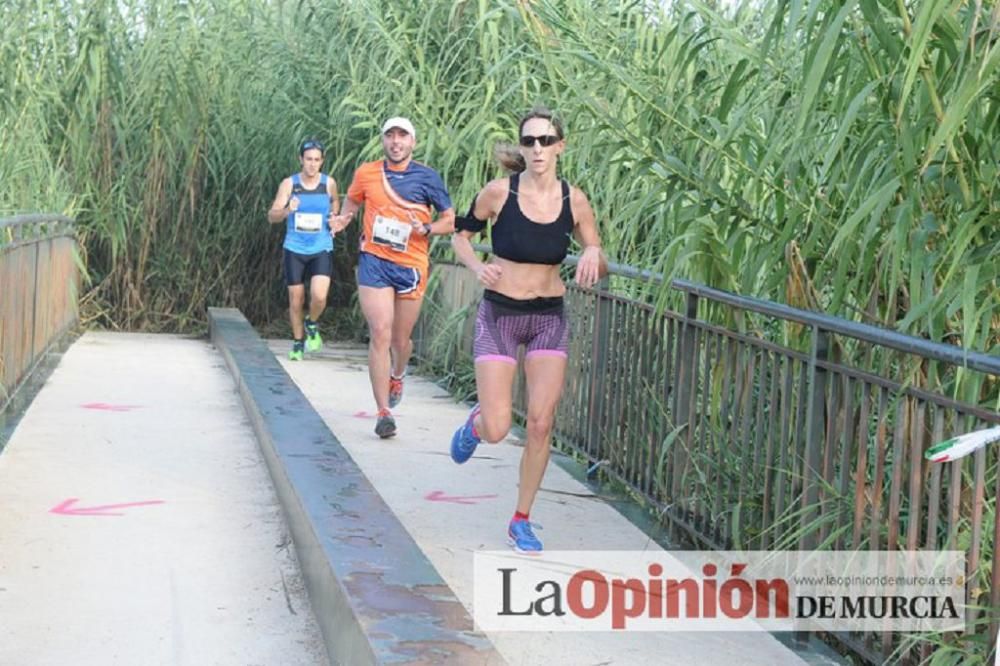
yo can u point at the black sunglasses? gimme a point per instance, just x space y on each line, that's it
546 140
309 145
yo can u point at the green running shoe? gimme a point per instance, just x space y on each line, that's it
297 351
314 342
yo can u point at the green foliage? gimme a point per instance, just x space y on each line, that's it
861 134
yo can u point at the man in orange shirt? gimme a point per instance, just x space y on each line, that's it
399 195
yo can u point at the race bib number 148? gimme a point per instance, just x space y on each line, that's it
391 233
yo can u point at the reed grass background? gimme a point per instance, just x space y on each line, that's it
837 155
830 154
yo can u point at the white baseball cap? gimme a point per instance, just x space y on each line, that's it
400 123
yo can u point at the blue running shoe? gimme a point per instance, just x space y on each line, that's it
520 536
464 441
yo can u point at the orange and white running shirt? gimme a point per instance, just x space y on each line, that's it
393 199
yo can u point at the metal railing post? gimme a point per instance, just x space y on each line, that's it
34 302
812 473
598 369
685 392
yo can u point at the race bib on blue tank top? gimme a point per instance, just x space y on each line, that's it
308 228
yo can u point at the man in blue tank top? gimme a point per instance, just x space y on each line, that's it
305 201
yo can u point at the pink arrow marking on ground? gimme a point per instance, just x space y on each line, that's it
103 406
362 415
439 496
66 508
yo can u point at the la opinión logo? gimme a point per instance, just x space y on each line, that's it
719 591
589 594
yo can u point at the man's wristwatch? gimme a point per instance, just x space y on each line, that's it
427 229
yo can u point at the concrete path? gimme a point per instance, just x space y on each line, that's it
413 472
138 524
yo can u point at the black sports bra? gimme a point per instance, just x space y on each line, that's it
516 238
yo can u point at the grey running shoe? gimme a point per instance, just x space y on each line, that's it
395 390
385 426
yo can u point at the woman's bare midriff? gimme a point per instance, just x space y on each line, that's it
524 281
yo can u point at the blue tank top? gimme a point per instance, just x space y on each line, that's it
307 230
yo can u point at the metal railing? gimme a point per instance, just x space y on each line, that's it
39 284
741 442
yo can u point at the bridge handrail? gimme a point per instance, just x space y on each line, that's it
770 437
939 351
33 218
39 280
